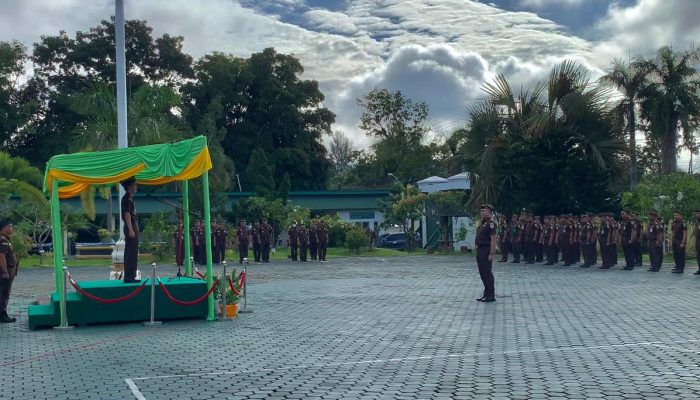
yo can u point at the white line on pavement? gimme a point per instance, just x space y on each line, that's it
134 389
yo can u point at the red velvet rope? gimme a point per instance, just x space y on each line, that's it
201 275
108 301
233 289
187 303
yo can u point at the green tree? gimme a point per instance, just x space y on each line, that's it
403 207
666 194
630 79
17 105
671 101
543 150
266 106
284 188
65 66
18 177
260 174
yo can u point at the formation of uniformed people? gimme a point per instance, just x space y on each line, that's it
308 241
572 239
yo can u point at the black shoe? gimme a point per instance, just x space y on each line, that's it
481 299
604 267
697 272
132 280
676 271
7 319
584 266
515 262
488 300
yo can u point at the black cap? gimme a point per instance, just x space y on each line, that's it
4 222
653 212
489 206
127 182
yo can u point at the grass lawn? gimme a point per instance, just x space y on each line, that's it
281 254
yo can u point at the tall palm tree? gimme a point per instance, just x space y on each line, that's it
522 143
18 177
671 102
630 79
151 120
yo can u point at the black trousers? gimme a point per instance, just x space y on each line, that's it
630 255
637 246
5 289
256 251
697 251
303 251
679 256
539 252
221 249
131 257
503 246
242 252
313 249
655 256
322 247
486 270
516 247
265 251
294 249
551 254
586 253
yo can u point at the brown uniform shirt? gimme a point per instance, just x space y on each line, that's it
677 229
129 206
6 249
484 232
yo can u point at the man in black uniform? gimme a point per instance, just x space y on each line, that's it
679 238
293 233
485 243
131 231
255 233
655 240
323 239
515 229
222 241
697 240
627 229
265 232
243 236
313 239
637 240
303 241
9 266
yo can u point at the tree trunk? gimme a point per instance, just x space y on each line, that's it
668 147
632 132
110 217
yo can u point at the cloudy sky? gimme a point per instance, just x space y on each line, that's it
438 51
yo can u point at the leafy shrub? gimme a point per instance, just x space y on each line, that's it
356 239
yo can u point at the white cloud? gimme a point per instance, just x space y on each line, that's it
330 21
546 3
645 26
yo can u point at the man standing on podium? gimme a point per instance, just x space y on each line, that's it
131 231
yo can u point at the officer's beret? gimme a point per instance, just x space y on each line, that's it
678 212
697 211
4 222
653 212
489 206
127 182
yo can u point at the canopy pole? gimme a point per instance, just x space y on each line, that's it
186 226
56 238
207 244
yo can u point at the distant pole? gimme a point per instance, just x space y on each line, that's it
122 140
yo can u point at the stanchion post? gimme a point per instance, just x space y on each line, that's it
224 289
64 314
245 309
153 322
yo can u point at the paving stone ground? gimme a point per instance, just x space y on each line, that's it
373 328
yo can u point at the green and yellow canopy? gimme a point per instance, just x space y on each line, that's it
151 165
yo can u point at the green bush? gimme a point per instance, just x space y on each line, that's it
21 243
356 239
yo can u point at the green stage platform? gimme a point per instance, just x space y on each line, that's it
85 311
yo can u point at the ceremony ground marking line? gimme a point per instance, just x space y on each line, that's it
139 395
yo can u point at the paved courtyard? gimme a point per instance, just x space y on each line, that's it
395 328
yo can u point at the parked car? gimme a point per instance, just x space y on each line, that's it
46 247
395 241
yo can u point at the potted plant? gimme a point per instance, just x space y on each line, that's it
232 298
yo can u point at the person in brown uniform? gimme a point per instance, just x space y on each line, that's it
131 231
627 229
313 239
514 236
255 236
221 241
303 233
485 244
293 234
585 241
637 240
9 267
655 240
548 235
564 239
503 238
243 235
604 235
539 246
265 231
179 241
529 239
696 233
679 238
323 240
